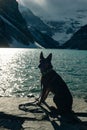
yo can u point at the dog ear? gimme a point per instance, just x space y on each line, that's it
41 55
49 57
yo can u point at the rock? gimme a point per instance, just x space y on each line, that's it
11 117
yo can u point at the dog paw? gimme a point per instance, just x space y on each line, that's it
52 108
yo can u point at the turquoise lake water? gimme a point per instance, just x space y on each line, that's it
20 76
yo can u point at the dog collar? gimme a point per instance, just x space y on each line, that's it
44 73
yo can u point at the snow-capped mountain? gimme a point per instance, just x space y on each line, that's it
22 27
40 30
64 29
63 19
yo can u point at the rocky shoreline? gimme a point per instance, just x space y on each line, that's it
17 113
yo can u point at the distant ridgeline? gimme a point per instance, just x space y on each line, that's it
78 40
14 27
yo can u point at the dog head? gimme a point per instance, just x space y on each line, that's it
45 63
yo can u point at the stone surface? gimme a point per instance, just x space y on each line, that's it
13 118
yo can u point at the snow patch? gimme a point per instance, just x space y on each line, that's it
38 45
17 44
61 37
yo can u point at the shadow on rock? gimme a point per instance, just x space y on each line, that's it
10 122
68 120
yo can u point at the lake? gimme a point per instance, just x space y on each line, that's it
20 76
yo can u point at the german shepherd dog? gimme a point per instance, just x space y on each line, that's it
52 82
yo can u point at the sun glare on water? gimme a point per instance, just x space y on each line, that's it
7 54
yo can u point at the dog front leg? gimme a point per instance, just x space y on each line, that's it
44 95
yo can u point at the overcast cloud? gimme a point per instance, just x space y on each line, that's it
55 9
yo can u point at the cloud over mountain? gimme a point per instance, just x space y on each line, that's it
55 9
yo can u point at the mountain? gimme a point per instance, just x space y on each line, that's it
34 21
14 25
14 31
58 22
40 31
62 30
78 40
62 18
3 39
20 27
45 40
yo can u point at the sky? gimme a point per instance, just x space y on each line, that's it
56 9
